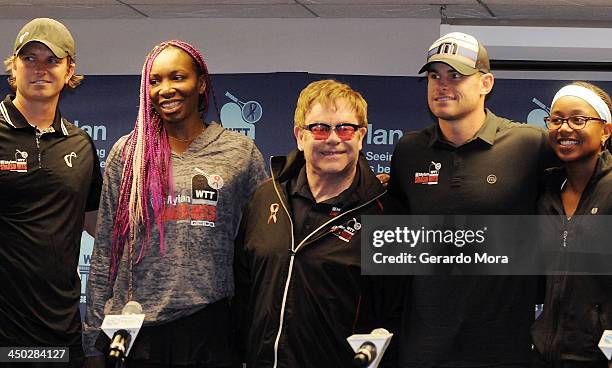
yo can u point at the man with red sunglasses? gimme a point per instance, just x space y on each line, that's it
299 289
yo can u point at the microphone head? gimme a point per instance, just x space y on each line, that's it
132 307
380 331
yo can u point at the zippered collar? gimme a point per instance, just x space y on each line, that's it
602 168
556 178
283 168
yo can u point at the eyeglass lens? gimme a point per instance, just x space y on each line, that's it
322 131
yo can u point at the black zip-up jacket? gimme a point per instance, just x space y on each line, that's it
296 303
577 308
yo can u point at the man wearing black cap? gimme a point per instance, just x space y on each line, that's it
49 178
485 165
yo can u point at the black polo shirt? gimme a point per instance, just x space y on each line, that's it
47 181
307 213
469 321
498 171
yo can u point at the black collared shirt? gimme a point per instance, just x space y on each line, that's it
48 180
469 321
307 213
498 171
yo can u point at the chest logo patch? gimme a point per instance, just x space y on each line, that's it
345 232
335 211
215 181
430 177
20 164
199 206
68 158
492 179
205 188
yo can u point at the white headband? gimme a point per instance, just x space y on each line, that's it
588 96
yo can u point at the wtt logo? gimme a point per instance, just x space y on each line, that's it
536 116
241 116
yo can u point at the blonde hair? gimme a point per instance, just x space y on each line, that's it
327 92
74 81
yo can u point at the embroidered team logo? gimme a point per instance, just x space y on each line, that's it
68 158
205 188
20 164
214 181
202 211
24 35
346 231
428 178
273 211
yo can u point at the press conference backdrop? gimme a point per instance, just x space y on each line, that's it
261 106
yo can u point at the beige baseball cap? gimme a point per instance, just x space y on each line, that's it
461 52
49 32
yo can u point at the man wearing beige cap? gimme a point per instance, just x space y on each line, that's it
485 165
49 177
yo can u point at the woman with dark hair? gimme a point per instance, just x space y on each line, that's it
577 308
173 194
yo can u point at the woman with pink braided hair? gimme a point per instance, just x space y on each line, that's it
173 194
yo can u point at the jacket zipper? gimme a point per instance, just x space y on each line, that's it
553 338
294 251
282 312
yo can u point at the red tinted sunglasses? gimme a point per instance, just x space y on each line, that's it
344 131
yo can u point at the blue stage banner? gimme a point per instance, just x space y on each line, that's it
261 106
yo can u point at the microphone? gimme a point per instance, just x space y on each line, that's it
123 329
369 348
365 355
605 343
132 307
120 340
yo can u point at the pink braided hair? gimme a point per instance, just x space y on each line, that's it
147 171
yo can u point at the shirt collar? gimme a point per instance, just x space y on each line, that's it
602 168
299 187
486 133
15 119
